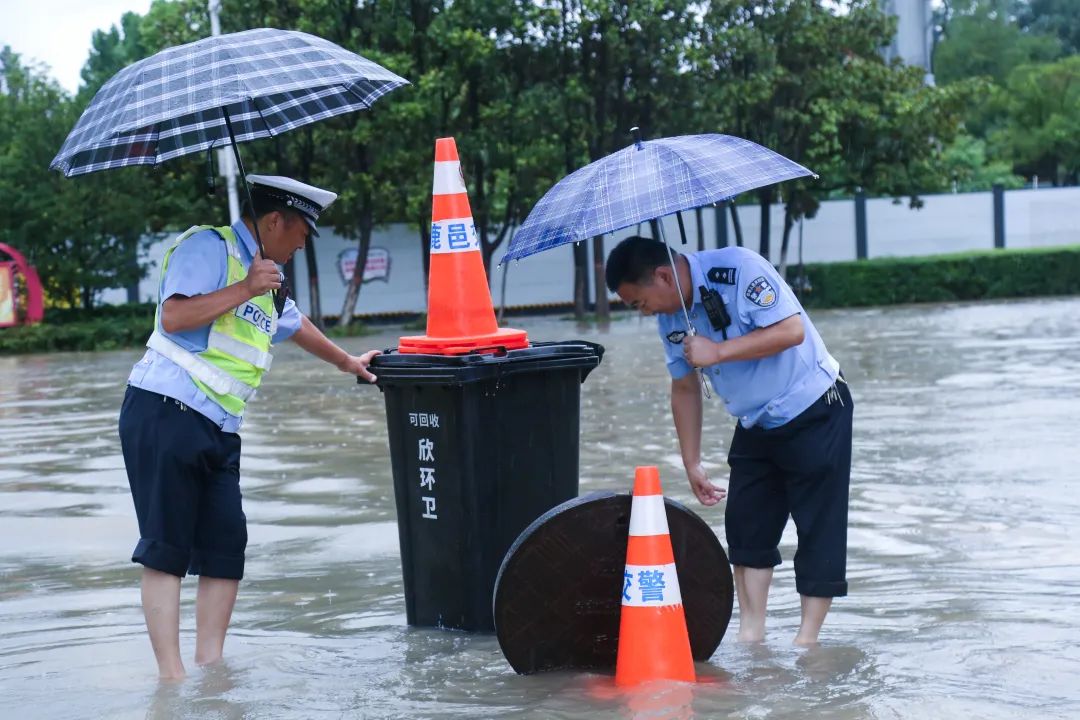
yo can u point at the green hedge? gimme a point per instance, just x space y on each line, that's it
67 316
103 333
110 327
979 275
884 281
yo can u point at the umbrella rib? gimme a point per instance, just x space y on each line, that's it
255 104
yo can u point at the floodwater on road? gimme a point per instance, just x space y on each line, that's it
964 545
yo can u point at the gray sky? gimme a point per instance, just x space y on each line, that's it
57 32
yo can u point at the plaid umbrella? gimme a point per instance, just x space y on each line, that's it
185 99
220 91
645 181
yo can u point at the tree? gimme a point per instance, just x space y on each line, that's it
808 81
143 204
81 237
968 168
535 89
984 41
369 156
1042 134
616 65
1058 18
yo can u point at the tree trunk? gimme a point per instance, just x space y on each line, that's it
488 248
789 222
352 291
303 173
314 298
765 198
603 308
580 255
735 223
700 229
425 252
581 281
366 220
502 294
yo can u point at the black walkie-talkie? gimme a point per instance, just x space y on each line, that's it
715 309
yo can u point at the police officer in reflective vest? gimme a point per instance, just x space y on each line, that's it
214 330
791 451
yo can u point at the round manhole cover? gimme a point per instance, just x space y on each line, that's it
558 593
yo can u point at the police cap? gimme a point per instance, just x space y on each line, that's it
307 200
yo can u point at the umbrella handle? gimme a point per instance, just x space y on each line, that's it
279 297
682 303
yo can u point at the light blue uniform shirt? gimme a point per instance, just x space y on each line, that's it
198 267
767 392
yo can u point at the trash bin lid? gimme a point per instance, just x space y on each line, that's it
557 598
395 368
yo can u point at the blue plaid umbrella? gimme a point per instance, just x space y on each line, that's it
645 181
218 91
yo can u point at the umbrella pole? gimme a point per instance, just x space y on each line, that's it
682 303
279 298
678 283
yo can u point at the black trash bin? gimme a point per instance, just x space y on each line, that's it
481 445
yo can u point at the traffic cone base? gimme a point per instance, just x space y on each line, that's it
501 339
461 318
653 640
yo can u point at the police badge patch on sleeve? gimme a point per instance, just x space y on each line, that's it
760 292
675 337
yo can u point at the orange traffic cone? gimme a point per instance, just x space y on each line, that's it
653 642
460 315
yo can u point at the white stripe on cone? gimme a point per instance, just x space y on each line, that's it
648 516
651 586
454 235
448 178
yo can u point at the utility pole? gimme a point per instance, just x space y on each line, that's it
225 157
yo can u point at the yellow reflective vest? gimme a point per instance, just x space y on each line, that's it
231 367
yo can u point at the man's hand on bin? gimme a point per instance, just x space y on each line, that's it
358 365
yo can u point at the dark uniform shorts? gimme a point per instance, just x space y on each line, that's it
184 473
801 469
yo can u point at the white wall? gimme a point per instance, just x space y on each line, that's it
945 224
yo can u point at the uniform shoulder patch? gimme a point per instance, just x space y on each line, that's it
761 293
675 337
721 275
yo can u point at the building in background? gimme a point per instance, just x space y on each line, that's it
914 38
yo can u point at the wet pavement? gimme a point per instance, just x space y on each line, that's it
964 558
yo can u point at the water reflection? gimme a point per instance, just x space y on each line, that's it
964 546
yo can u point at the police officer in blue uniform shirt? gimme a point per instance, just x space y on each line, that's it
791 451
215 325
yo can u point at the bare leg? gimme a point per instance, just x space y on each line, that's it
814 610
161 608
752 586
213 609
